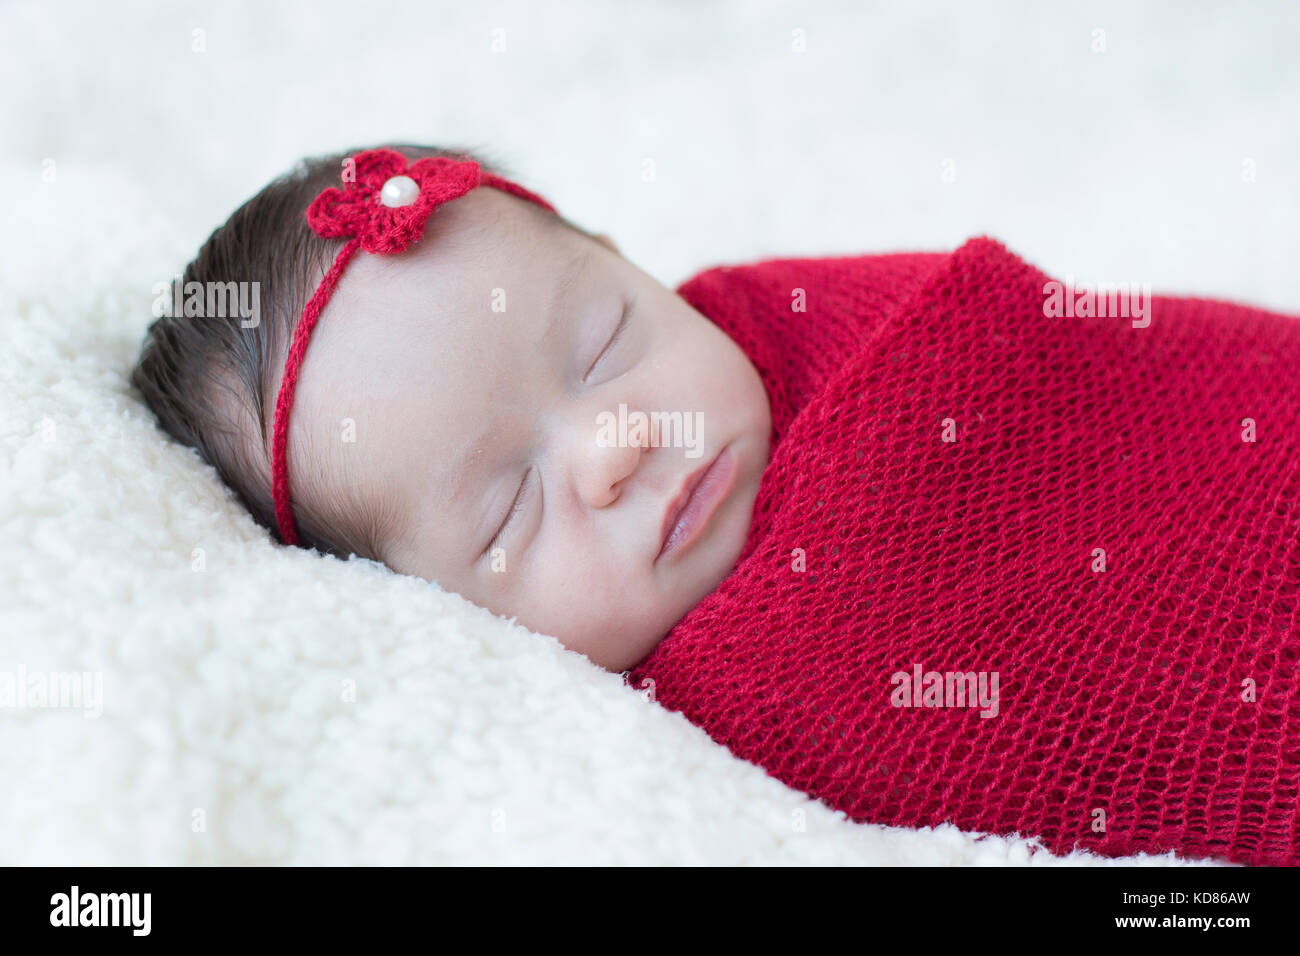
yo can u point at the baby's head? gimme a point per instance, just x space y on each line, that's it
466 410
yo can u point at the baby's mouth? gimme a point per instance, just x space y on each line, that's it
688 513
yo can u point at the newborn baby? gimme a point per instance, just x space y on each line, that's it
447 416
951 543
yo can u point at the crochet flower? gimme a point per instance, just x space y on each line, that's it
386 206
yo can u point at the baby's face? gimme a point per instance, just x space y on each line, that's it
483 381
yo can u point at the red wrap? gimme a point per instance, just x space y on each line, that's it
1101 535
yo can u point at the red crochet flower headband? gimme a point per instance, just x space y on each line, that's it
381 209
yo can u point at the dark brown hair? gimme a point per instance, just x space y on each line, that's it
207 378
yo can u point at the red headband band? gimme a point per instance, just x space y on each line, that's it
382 209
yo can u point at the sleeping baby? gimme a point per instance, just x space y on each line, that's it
901 529
447 418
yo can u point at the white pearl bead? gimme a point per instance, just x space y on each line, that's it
399 191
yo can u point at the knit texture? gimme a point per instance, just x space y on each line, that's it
1100 535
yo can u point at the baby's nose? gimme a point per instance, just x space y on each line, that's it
606 458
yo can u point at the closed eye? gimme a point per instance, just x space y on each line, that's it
618 330
515 507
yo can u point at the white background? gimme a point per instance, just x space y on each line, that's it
1122 165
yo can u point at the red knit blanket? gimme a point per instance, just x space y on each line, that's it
1015 569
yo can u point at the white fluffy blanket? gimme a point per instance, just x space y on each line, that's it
265 705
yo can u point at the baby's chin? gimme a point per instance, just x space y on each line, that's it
727 546
636 640
639 633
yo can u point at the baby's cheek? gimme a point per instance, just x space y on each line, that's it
567 588
616 617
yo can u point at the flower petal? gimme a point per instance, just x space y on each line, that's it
374 167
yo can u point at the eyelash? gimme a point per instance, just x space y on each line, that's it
618 331
515 507
520 496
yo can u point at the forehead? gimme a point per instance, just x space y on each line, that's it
412 350
481 278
